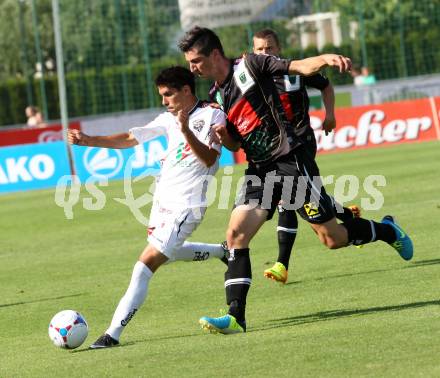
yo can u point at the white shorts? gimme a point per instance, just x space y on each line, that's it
169 228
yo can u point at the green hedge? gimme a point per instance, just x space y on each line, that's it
95 91
89 92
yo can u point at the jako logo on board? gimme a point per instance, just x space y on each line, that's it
25 169
103 162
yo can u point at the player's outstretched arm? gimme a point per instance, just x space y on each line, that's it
124 140
312 65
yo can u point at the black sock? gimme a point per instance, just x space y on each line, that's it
227 288
236 310
238 279
385 232
345 215
287 226
363 231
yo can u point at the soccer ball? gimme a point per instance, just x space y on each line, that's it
68 329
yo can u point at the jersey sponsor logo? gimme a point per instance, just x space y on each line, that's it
103 162
183 151
311 209
244 117
243 78
292 83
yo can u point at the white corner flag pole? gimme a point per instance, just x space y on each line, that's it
61 78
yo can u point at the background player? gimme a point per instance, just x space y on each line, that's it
295 100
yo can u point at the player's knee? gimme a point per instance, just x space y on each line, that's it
235 236
152 258
232 234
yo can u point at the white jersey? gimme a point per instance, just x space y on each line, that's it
184 178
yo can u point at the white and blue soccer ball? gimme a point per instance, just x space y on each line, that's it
68 329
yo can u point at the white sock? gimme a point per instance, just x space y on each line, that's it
132 300
198 252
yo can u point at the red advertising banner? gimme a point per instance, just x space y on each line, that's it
376 125
26 135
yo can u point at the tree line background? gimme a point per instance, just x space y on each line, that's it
113 49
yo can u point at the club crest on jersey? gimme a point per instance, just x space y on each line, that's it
198 125
243 78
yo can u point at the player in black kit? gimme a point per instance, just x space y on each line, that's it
295 100
280 167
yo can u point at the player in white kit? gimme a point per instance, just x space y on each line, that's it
180 196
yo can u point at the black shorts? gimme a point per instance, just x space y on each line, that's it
294 179
310 141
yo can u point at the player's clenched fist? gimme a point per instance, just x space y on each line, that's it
220 133
329 124
339 61
183 119
77 137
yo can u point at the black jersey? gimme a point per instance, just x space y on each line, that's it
256 116
293 94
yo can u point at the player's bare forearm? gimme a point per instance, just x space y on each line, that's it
204 153
328 98
124 140
310 66
307 66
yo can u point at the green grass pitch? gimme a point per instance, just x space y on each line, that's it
345 313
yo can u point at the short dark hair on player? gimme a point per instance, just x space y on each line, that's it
204 40
264 33
176 77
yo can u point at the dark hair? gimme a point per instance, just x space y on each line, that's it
176 77
264 33
204 40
